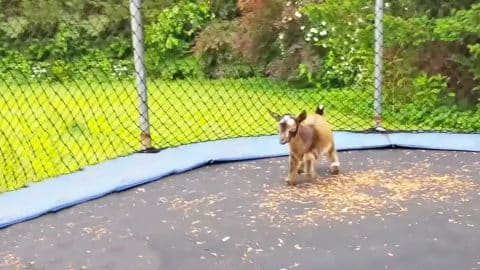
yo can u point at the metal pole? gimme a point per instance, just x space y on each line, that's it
140 73
378 76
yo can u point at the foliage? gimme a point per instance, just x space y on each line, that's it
224 9
346 45
214 48
300 42
473 62
435 46
303 43
257 31
169 38
51 33
431 8
170 34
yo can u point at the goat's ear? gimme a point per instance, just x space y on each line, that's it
301 116
275 115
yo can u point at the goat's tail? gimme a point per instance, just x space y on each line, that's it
320 110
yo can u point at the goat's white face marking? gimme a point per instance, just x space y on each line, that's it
286 127
288 120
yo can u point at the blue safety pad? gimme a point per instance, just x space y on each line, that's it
136 169
437 141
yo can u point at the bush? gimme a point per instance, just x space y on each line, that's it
214 48
297 59
344 45
224 9
303 43
257 32
170 37
434 46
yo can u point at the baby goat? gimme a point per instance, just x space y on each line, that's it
309 137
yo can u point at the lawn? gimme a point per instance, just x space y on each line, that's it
51 129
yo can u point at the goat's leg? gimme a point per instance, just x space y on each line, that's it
293 170
309 160
334 161
302 167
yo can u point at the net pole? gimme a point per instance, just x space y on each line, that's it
378 72
140 73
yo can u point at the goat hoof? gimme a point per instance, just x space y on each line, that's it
300 171
291 182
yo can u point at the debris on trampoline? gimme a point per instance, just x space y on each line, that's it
349 197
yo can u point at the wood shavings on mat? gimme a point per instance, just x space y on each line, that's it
352 196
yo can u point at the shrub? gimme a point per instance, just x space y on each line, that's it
257 32
344 45
170 37
214 48
434 46
224 9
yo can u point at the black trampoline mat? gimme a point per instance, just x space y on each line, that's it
388 209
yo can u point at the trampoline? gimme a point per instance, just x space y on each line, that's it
388 209
104 167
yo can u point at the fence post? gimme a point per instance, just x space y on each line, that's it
140 73
378 73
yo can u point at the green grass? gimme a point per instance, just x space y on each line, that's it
52 129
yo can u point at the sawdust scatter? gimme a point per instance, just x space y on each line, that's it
353 195
10 260
179 203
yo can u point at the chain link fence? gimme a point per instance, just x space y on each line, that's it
85 81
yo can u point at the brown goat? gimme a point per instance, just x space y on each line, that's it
309 137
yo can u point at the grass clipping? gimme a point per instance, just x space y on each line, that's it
352 196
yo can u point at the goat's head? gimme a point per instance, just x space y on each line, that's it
288 125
